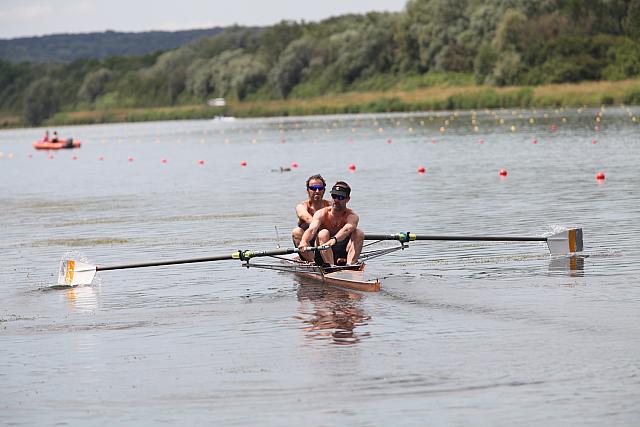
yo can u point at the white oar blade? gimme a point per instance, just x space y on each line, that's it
73 273
566 242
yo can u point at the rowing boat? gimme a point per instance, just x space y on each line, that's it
60 144
351 277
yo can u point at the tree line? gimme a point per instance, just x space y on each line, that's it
487 42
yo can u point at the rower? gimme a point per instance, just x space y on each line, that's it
316 186
335 226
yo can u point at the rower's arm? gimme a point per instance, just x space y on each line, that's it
310 232
349 227
303 215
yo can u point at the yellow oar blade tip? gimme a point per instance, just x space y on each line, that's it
566 242
73 273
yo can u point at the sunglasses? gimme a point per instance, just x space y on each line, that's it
316 187
338 197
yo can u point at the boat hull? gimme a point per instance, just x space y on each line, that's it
349 277
62 144
355 280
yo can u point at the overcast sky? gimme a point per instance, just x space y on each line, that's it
24 18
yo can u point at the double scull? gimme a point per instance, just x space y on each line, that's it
353 277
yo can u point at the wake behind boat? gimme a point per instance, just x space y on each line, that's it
73 273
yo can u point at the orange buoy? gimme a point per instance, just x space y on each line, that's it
600 176
503 172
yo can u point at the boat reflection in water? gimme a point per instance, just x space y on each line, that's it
331 313
572 265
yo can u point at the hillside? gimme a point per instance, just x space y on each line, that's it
432 43
70 47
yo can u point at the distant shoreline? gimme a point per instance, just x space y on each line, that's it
585 94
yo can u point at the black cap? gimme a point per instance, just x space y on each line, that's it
341 189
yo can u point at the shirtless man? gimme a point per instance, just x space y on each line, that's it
335 226
305 209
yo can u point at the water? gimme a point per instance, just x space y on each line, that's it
461 333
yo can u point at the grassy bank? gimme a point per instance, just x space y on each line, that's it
593 94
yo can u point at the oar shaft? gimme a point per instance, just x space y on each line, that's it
241 255
158 263
457 238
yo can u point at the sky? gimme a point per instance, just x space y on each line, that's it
27 18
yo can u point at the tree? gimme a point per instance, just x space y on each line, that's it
288 70
40 101
631 23
94 84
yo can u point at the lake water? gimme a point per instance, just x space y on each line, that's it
461 333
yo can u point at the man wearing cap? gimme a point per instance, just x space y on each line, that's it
305 209
335 226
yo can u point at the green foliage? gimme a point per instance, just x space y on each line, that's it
40 101
631 22
624 60
94 84
432 43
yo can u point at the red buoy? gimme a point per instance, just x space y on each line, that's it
389 141
294 165
130 159
74 158
600 176
535 141
503 172
201 162
243 163
163 160
593 141
101 158
352 167
421 170
553 128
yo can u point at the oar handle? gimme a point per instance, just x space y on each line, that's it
239 255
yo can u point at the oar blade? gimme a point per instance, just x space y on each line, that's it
566 242
73 273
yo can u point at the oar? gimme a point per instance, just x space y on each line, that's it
559 243
74 272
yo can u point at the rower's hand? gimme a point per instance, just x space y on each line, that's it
302 247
